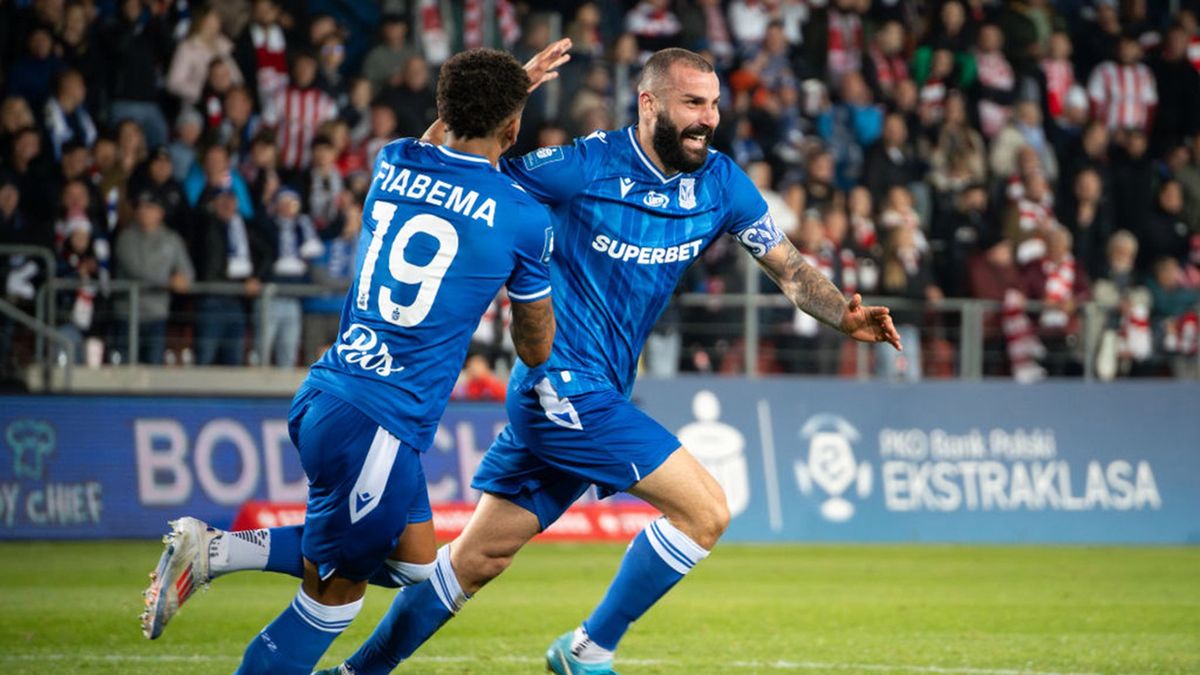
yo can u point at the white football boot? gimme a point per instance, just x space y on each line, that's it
183 567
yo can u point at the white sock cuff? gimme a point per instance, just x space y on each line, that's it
674 547
328 618
445 583
409 574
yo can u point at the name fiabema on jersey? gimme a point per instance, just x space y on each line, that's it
646 255
419 187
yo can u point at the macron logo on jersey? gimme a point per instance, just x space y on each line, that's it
419 187
646 255
626 186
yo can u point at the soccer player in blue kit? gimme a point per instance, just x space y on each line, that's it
443 231
631 209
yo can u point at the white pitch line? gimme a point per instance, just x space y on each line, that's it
739 665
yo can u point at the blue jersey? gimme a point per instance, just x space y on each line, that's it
442 232
624 234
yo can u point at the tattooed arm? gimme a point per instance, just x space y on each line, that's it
803 284
533 330
810 291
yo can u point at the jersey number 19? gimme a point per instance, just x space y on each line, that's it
427 277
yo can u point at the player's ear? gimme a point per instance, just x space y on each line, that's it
510 130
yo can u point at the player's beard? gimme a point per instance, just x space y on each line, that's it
668 144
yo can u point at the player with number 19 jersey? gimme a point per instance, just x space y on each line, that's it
443 231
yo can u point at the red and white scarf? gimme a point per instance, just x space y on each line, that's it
1059 288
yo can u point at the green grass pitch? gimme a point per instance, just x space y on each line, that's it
977 610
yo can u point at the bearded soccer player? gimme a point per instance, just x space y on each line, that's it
443 231
631 209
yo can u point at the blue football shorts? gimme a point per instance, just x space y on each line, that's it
554 448
364 485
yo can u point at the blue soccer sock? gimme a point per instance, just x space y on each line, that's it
656 560
415 615
296 639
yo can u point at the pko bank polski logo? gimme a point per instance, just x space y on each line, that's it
831 465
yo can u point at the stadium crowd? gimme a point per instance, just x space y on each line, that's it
1020 151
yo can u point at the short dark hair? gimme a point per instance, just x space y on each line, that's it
662 60
478 90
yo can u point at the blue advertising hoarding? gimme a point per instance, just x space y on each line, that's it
799 459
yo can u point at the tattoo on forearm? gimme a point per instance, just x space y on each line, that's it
533 331
808 289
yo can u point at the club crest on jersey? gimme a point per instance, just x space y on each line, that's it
687 193
656 199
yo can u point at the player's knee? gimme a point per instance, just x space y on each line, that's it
711 521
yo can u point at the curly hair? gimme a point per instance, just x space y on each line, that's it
478 89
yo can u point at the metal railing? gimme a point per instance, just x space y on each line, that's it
968 330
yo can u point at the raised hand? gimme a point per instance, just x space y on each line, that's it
869 324
544 66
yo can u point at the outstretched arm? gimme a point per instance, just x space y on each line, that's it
542 68
533 330
811 292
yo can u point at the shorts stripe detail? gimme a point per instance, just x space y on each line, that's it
372 479
636 474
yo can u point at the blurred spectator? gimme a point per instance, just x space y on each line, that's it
152 180
389 57
1029 218
412 98
1132 184
748 20
66 117
1177 84
212 96
291 243
905 273
781 213
261 171
1123 90
215 174
1164 234
157 257
33 174
261 55
188 128
193 58
1088 216
136 47
323 186
1023 130
833 38
357 115
1189 179
15 115
854 123
1173 315
228 249
654 25
478 382
77 261
303 108
958 155
991 274
1062 286
1098 39
331 57
997 88
957 229
333 268
890 161
239 125
33 74
884 66
1059 73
